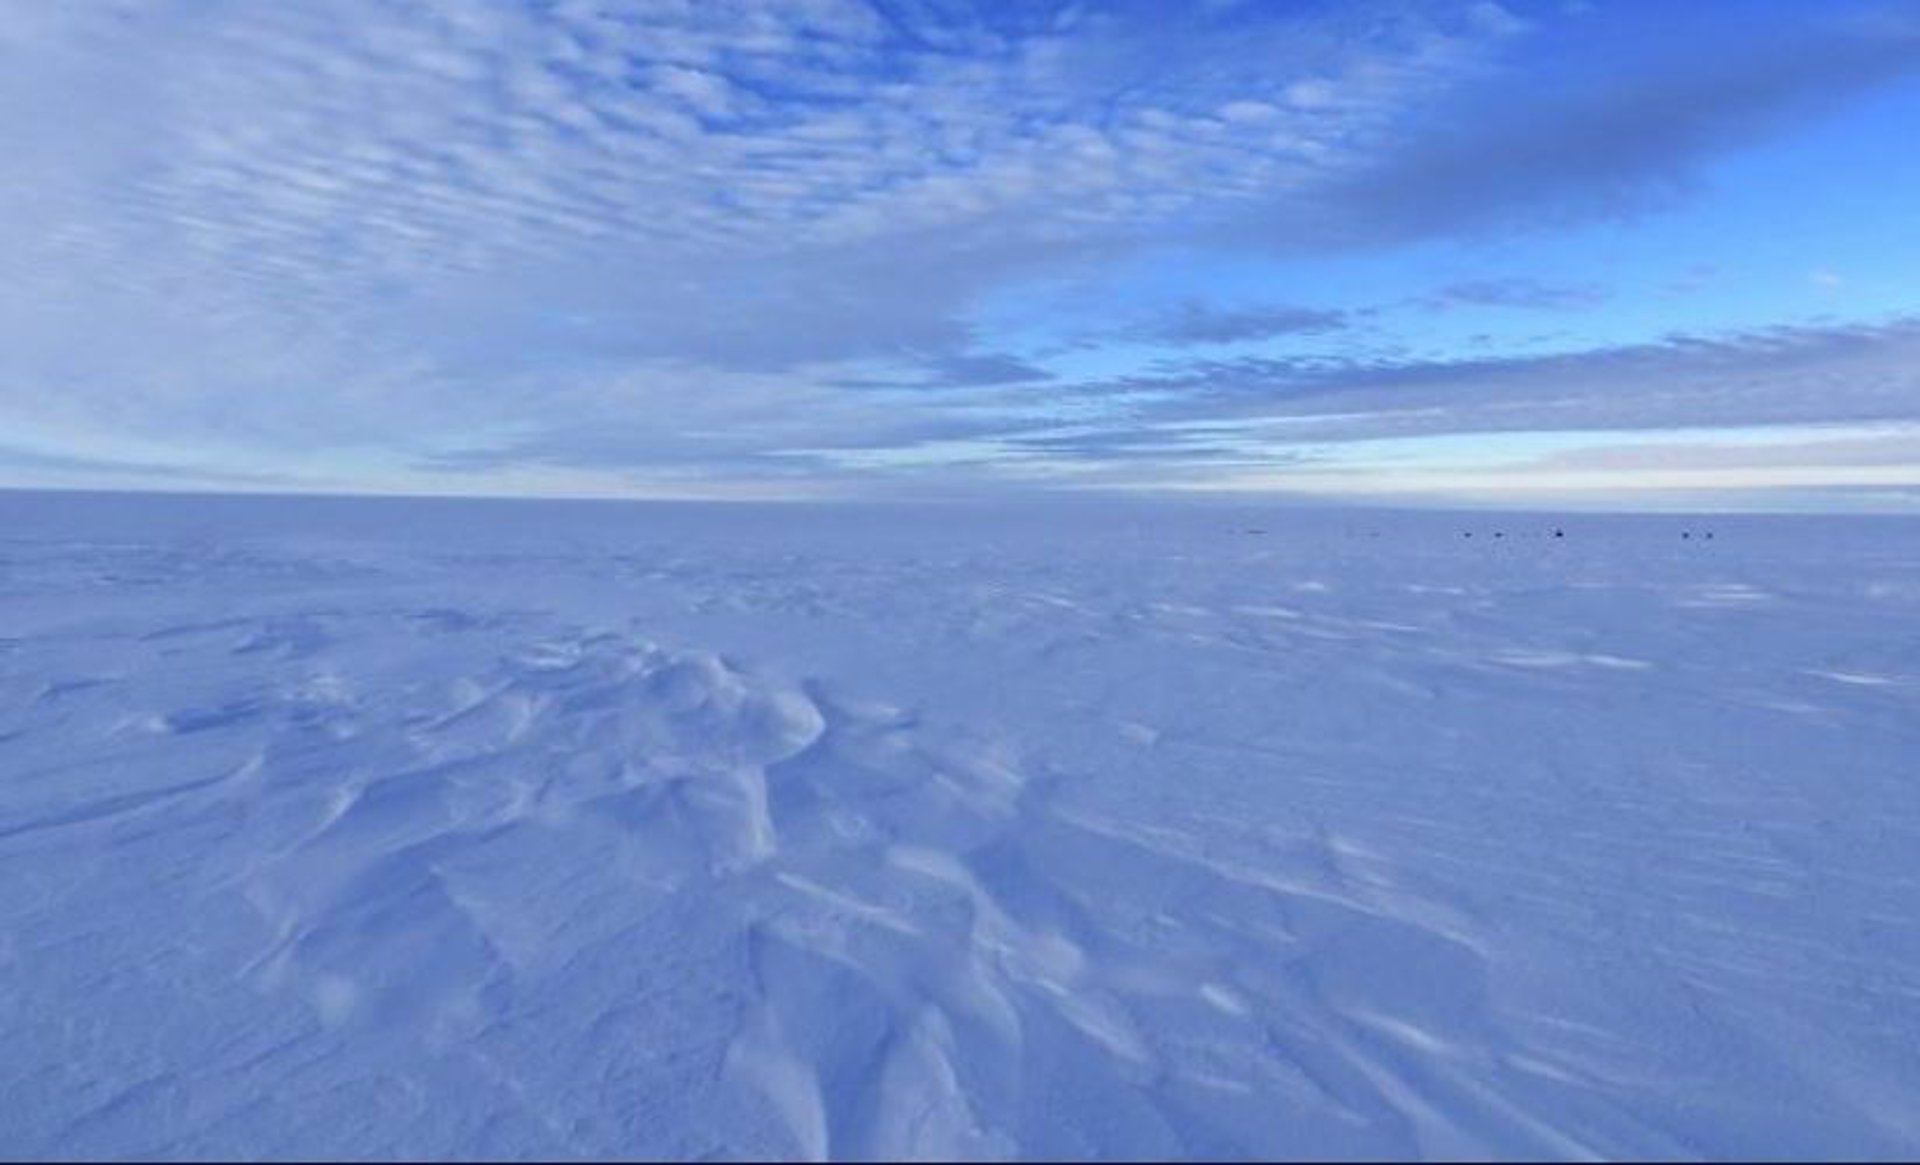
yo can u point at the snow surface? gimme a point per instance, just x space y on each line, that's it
505 829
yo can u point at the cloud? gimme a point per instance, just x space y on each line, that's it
1797 448
749 238
1193 419
1196 324
1794 375
41 467
343 224
1695 278
1520 293
1166 444
1599 121
977 370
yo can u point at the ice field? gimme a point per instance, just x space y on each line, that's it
432 828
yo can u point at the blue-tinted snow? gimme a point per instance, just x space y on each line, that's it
408 828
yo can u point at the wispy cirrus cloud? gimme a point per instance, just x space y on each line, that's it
1792 375
1195 323
321 222
1604 119
1517 292
1275 413
747 238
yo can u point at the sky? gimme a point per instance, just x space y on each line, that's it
1628 254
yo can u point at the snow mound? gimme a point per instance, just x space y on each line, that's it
682 832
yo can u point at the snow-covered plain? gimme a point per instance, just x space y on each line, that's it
408 828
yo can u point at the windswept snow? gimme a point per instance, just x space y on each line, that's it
510 829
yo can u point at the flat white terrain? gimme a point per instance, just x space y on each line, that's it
415 828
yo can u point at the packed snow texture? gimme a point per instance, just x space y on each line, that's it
409 828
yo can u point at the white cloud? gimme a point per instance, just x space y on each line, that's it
309 225
686 236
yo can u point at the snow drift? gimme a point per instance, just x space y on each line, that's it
508 829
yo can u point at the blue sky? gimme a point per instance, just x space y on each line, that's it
1587 253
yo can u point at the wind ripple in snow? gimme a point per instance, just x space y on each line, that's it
383 854
910 943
